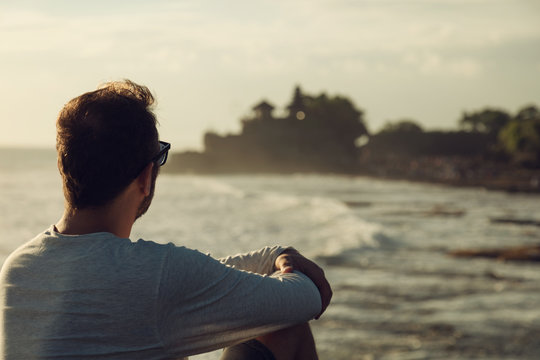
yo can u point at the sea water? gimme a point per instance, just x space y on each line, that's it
383 244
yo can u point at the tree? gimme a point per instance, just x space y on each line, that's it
402 126
332 125
489 121
520 138
529 112
337 114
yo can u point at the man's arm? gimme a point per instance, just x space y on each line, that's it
205 305
270 259
290 260
259 261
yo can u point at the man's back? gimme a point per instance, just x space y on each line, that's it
107 303
98 295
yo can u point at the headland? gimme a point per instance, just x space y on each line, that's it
328 134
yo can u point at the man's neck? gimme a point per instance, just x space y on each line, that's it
93 220
116 217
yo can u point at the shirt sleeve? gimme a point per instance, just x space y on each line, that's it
206 305
259 261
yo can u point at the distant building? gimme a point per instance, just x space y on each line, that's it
263 111
297 108
317 134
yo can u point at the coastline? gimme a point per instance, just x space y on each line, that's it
458 172
449 171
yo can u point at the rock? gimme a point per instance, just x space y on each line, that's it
514 221
518 253
356 204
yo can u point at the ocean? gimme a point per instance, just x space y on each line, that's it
383 244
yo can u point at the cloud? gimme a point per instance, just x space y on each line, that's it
272 35
431 63
465 67
239 50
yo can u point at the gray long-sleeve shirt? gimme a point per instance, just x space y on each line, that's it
99 296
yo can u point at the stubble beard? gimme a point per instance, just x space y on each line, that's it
145 203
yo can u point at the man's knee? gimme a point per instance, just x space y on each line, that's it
295 342
290 335
249 350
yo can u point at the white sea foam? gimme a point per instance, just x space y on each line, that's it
218 217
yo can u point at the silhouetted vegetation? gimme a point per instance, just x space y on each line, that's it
325 133
402 126
433 143
489 121
317 134
520 137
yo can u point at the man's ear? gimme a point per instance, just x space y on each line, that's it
144 180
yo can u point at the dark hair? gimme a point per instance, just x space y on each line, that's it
104 138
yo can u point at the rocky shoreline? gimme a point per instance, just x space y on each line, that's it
460 172
452 171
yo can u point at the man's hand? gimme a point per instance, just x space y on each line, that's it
291 260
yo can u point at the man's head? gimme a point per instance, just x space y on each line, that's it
104 140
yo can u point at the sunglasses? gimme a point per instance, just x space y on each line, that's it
161 157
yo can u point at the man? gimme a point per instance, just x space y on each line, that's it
83 290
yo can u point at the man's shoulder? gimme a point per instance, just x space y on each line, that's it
169 249
32 246
50 244
151 245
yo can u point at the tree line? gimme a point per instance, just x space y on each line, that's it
324 133
499 134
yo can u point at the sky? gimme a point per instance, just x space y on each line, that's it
208 62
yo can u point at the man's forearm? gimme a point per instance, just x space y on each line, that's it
260 261
291 260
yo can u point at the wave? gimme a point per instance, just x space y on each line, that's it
319 226
235 214
209 185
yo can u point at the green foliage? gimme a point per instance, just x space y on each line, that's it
520 138
319 133
402 126
489 121
530 112
336 115
429 143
